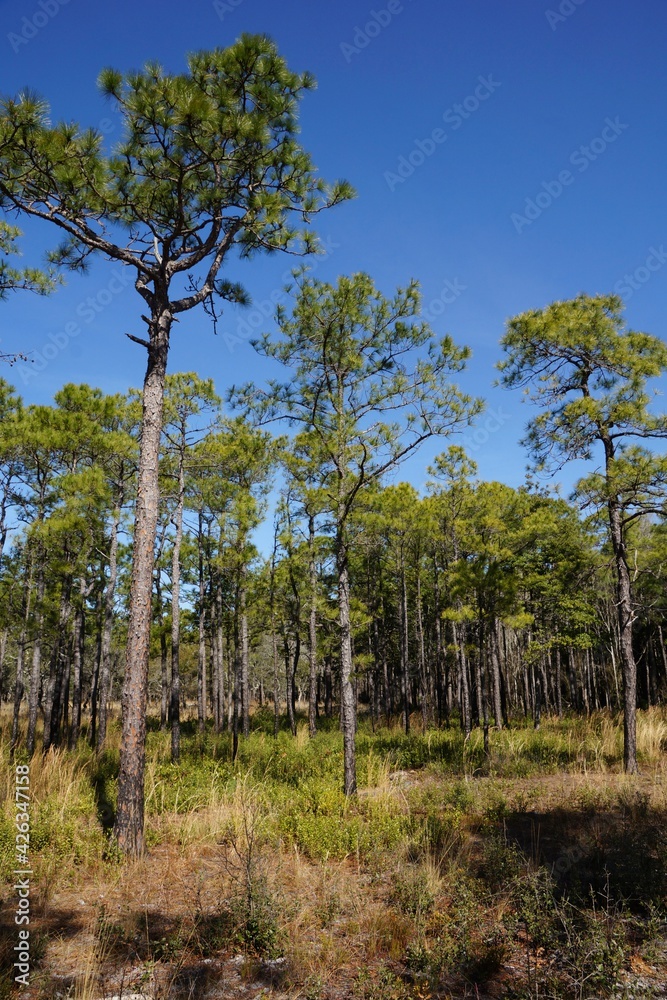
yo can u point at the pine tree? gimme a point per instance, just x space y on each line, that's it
588 372
349 350
209 164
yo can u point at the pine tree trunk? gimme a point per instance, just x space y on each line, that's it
3 651
19 688
405 649
175 693
234 703
95 678
312 632
58 664
79 637
201 674
459 642
545 682
663 651
653 672
594 684
164 651
215 674
625 615
109 596
328 688
289 683
295 664
201 657
496 682
559 684
572 679
424 681
481 680
244 662
276 681
480 698
222 688
443 671
64 701
348 707
19 684
217 658
129 826
36 666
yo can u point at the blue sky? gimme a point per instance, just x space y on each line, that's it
505 155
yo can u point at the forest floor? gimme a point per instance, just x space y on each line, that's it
538 872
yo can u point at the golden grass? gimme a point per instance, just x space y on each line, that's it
335 916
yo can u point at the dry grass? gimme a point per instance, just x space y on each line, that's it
429 883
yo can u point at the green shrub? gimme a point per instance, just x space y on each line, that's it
412 893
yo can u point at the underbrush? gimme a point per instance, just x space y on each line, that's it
539 867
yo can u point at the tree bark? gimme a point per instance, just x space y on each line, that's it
328 688
481 681
276 680
175 693
95 677
244 659
312 631
19 684
109 596
215 674
79 637
348 707
36 666
164 649
289 683
496 684
3 650
19 688
405 648
201 658
59 663
537 681
625 622
129 825
459 642
559 683
424 679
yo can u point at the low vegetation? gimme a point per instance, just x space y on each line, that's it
539 870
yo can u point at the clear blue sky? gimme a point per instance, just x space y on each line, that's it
541 87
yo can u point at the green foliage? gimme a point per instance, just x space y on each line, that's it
382 985
587 370
12 278
341 831
412 893
229 126
501 863
349 342
251 922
